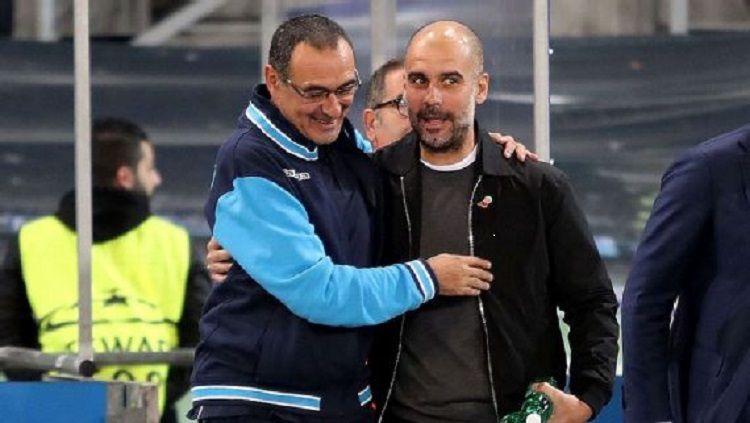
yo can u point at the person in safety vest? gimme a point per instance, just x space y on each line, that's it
148 287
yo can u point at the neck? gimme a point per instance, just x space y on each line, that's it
448 157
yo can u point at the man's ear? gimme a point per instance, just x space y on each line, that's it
368 121
483 87
272 77
125 178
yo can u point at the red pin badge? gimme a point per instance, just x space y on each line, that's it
486 201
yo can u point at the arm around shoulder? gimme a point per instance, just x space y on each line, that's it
276 244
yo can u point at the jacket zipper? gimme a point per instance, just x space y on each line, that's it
403 317
395 369
406 212
480 303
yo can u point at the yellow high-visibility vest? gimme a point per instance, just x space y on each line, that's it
138 291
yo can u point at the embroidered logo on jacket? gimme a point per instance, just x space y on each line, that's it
300 176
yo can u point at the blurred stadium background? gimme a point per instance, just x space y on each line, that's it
633 82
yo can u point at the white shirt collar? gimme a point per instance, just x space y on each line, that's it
461 164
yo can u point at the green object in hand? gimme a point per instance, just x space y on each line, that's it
536 407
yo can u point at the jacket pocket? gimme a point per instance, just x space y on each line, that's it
294 352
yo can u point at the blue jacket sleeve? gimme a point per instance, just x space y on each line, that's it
672 236
268 232
363 144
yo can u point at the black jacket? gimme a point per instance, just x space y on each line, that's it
543 259
115 213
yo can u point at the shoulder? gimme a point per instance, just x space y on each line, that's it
539 175
399 156
727 146
712 162
39 224
246 142
167 225
248 152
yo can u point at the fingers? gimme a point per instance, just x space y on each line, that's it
470 287
478 273
500 138
476 262
218 271
545 388
461 275
566 407
508 142
213 244
469 292
510 146
478 284
218 261
216 256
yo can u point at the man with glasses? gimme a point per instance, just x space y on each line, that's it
386 117
296 202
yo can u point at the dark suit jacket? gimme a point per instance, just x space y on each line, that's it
695 249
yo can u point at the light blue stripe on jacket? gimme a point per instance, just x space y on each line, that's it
364 396
268 232
363 144
245 393
273 133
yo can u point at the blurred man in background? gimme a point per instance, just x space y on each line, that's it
148 287
385 118
691 362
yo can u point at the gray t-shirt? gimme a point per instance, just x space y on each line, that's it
442 373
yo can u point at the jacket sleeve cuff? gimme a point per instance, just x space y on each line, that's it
596 400
424 279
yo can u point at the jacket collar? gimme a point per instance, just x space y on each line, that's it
264 115
115 212
402 157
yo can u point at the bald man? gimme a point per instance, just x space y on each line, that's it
451 190
386 120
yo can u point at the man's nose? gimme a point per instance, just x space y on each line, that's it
434 96
332 106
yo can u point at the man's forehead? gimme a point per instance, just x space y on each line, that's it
327 63
431 50
437 59
394 80
438 67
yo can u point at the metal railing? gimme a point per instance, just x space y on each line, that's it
72 364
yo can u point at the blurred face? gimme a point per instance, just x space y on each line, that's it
390 124
443 86
147 177
319 91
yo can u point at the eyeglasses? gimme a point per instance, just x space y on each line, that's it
399 103
316 94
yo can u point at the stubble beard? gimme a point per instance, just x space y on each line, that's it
432 143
